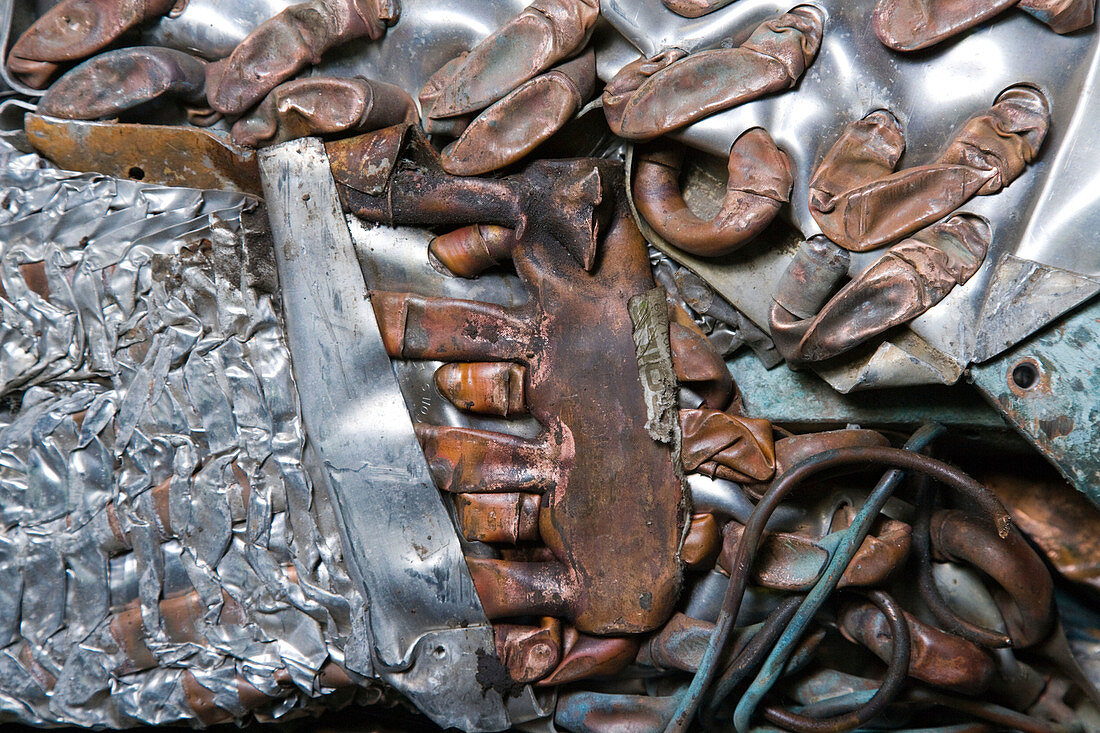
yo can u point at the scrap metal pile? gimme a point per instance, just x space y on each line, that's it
586 365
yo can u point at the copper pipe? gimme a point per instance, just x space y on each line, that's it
587 656
759 184
484 387
470 250
507 518
703 542
730 447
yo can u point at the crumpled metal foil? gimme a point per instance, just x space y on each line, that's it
155 359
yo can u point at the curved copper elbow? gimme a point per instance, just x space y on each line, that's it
469 251
759 184
1025 590
935 657
322 105
73 30
117 81
697 363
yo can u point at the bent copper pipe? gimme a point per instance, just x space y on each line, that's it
1024 592
702 542
881 552
697 363
511 517
73 30
322 105
485 387
861 203
285 44
470 251
727 446
937 658
911 277
523 119
910 25
117 81
544 33
587 656
707 82
678 645
760 181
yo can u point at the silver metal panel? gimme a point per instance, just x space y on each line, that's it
397 534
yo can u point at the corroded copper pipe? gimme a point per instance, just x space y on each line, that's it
522 120
794 449
785 561
703 542
624 85
882 551
1025 590
484 387
470 460
678 645
73 30
701 84
117 81
910 25
469 251
529 653
507 518
911 277
697 363
321 105
587 656
936 657
759 184
284 45
728 446
861 203
543 34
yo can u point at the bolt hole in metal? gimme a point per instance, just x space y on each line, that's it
136 173
1025 374
439 652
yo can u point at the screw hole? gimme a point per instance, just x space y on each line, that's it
439 652
1025 375
136 173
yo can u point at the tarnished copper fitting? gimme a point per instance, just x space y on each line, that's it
861 203
679 644
701 84
543 34
1024 592
484 387
465 460
285 44
529 653
510 518
936 657
117 81
469 251
909 25
703 542
73 30
911 277
589 656
759 184
321 105
695 8
522 120
727 446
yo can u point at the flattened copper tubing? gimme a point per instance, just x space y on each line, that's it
524 119
507 518
703 542
678 645
786 561
484 387
911 277
589 656
699 365
861 203
469 251
880 554
529 653
794 449
470 460
181 616
117 81
73 30
284 45
1056 517
891 685
702 84
937 657
727 446
759 184
622 87
695 8
909 25
544 33
321 105
1025 590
